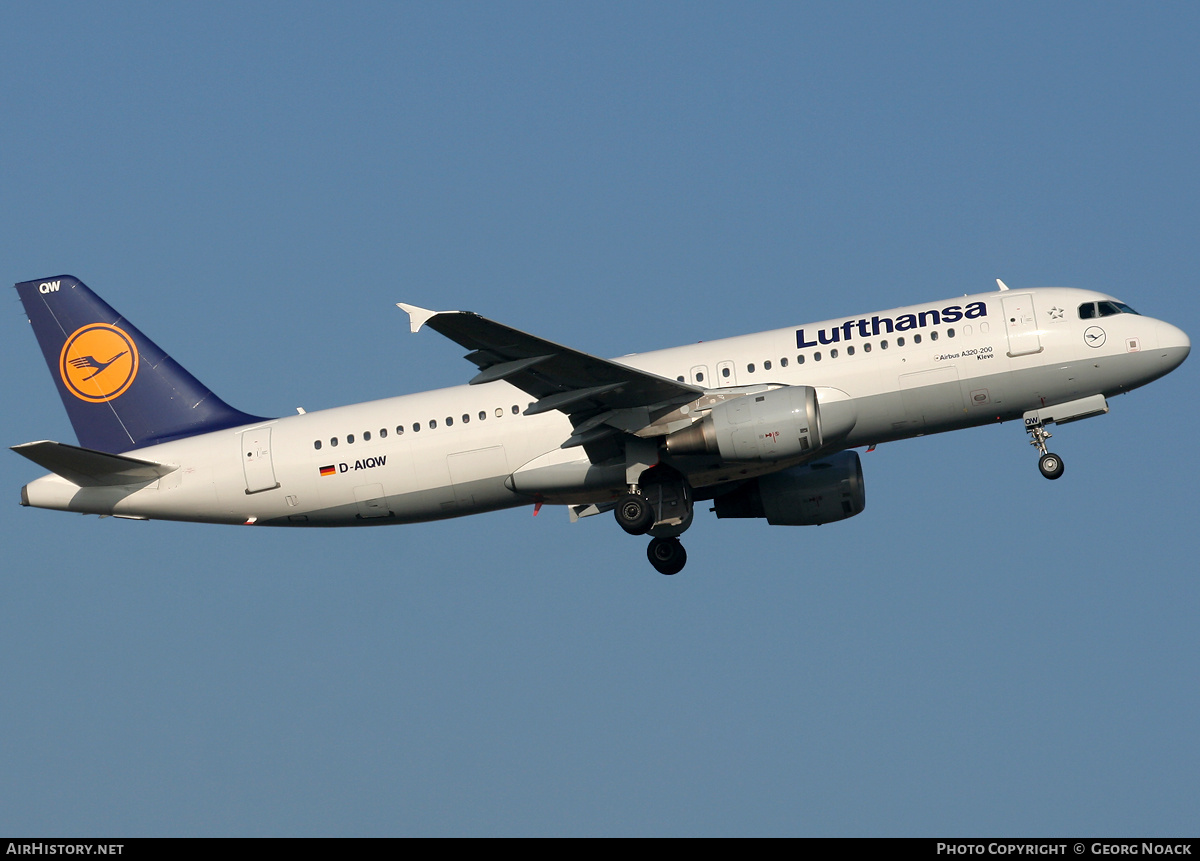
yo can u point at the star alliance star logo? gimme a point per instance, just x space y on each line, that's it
1056 313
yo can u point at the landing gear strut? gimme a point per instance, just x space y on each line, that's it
1051 465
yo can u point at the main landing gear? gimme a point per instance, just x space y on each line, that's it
661 506
666 555
1050 464
634 514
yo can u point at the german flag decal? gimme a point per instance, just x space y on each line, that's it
329 470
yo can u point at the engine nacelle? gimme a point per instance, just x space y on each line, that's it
821 492
773 425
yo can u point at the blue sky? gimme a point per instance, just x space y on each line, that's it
255 185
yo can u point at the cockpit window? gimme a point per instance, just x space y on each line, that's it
1088 310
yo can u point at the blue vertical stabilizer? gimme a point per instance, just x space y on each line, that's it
120 390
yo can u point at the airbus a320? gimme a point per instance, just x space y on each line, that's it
764 425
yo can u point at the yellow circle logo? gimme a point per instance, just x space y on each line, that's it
98 363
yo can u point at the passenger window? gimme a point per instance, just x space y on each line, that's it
383 433
517 410
767 365
350 439
499 411
317 444
817 356
680 378
933 335
833 354
849 351
449 421
416 427
466 418
333 441
399 430
899 342
482 415
783 362
916 339
366 436
725 372
750 367
699 376
883 345
949 333
800 359
867 347
432 424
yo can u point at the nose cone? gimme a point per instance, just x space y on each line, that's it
1174 344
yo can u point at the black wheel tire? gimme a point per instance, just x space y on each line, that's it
1051 466
666 555
634 514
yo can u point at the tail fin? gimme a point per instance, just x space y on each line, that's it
120 390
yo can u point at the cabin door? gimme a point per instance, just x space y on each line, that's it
256 460
1023 336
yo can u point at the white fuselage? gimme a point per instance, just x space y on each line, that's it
909 371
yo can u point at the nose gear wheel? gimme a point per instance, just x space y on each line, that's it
1050 464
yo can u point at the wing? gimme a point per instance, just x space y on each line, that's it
600 396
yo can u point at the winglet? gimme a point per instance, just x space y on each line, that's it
417 317
1003 286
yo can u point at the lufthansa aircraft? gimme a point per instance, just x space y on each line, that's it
763 425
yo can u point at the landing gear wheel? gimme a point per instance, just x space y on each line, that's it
666 555
1051 466
634 514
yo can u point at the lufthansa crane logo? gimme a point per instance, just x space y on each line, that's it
98 363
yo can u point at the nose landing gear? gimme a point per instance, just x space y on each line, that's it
1050 464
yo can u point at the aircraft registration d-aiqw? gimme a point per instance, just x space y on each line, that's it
763 425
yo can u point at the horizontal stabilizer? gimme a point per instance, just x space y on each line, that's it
575 512
89 468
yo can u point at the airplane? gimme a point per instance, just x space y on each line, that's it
763 425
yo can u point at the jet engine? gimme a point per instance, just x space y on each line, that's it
824 491
773 425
